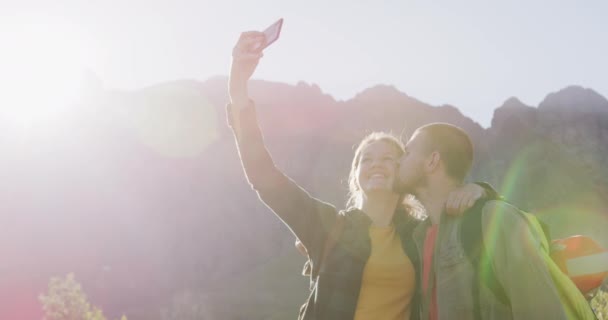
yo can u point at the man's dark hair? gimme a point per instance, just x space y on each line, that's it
453 144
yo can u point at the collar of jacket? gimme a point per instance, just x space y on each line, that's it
401 218
356 231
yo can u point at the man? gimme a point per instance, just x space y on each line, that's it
438 157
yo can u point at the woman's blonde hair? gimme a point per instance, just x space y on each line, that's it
355 194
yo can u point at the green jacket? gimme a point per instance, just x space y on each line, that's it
514 256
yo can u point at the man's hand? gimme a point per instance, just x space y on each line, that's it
463 198
245 58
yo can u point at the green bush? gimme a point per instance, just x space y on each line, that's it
600 305
65 300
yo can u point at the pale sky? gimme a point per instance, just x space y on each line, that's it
471 54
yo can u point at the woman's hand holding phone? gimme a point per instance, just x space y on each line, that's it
246 55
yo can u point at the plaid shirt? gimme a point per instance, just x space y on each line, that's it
336 292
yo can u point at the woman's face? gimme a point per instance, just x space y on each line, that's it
377 167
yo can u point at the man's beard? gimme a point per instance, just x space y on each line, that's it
411 186
400 187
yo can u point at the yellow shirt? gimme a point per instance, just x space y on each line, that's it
388 279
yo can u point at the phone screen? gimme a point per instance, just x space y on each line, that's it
272 33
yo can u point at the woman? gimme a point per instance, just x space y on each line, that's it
372 270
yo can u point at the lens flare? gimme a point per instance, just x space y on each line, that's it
43 59
174 120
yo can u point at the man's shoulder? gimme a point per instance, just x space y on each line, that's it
492 207
500 214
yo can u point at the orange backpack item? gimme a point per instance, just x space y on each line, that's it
583 260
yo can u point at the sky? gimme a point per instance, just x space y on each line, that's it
470 54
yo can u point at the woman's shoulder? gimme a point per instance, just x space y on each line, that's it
353 214
406 220
355 218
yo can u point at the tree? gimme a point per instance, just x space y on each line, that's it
600 305
65 300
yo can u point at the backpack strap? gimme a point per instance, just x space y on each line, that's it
471 239
332 238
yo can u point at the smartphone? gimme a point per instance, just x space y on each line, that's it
272 34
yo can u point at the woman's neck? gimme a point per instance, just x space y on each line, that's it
380 208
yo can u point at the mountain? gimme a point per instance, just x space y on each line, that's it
141 194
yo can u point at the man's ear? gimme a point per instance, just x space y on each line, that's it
433 161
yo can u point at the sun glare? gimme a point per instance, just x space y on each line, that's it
42 64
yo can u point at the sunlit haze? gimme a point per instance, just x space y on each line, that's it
471 54
44 58
117 164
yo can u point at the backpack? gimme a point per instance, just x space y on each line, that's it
575 304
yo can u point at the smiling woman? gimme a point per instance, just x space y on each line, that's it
41 67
